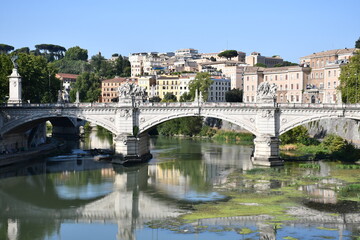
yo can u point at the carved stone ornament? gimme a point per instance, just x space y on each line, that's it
266 92
130 89
125 113
267 114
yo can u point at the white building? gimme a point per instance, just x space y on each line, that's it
218 89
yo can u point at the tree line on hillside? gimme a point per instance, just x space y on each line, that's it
38 68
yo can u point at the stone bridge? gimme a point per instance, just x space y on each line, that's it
129 120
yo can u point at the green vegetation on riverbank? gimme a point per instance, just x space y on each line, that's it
195 127
297 144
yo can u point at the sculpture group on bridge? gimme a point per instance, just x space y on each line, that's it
130 89
266 91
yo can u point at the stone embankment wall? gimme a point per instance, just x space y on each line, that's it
346 128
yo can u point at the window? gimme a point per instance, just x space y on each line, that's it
266 78
286 77
285 86
329 74
297 76
281 88
292 98
292 86
297 86
297 98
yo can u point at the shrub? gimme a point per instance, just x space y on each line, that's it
298 135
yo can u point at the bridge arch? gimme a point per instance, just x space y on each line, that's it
30 120
304 120
146 125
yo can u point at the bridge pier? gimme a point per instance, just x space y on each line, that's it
266 151
132 149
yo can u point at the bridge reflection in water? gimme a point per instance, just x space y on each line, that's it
113 195
41 199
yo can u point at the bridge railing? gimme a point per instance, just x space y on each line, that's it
319 105
185 104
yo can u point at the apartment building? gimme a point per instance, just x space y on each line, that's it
148 83
325 71
167 84
109 88
148 63
255 57
289 81
66 81
253 76
218 89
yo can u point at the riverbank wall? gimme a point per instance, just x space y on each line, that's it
346 128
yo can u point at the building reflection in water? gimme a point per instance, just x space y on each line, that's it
127 204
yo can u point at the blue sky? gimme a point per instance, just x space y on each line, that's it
287 28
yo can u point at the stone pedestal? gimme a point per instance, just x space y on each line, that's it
15 87
132 149
266 151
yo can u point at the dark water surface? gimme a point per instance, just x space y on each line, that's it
74 197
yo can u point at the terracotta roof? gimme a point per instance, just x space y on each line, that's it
331 52
66 75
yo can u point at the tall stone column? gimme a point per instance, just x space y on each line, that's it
266 143
129 145
15 87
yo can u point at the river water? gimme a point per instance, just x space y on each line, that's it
213 187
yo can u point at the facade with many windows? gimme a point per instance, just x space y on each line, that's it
109 88
325 71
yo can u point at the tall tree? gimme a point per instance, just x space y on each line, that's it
186 97
22 50
76 53
169 97
4 48
357 43
50 51
201 83
39 84
88 85
234 95
102 67
5 71
228 54
350 80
